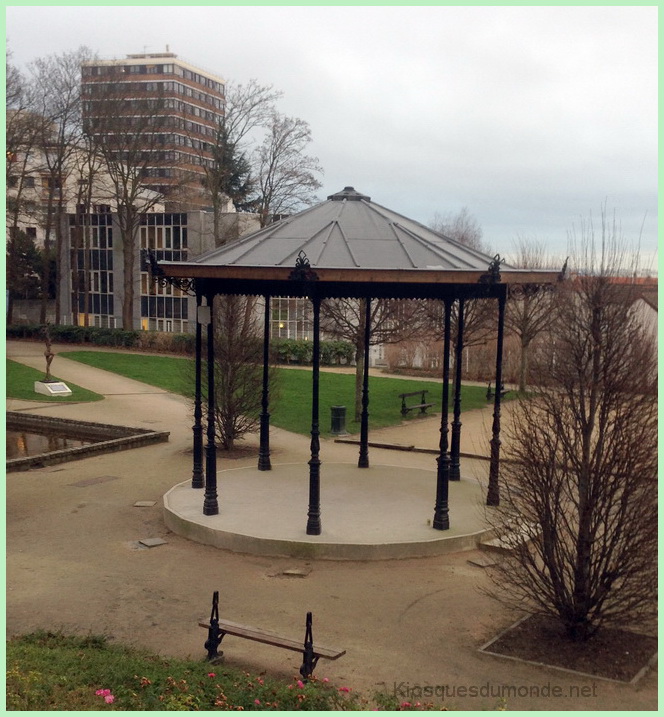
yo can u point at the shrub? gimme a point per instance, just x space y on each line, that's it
299 351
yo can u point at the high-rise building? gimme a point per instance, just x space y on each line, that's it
159 110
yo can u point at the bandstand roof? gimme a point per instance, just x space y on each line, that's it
354 247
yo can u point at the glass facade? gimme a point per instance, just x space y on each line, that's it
291 319
91 256
163 308
92 281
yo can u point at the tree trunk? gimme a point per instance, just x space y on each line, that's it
58 258
128 265
523 365
46 269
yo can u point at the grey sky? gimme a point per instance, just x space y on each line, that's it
532 117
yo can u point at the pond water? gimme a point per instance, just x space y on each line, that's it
23 444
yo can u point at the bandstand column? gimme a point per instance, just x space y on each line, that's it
363 461
197 478
493 492
210 504
441 520
264 449
313 516
455 451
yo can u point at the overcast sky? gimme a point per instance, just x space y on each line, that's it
531 117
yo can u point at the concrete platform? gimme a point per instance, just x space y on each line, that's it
383 512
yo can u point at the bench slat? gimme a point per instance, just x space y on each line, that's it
271 638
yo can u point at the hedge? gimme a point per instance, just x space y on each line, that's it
299 351
284 351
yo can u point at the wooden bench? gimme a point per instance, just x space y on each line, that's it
422 405
218 629
491 393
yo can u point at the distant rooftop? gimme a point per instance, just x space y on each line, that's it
155 58
152 55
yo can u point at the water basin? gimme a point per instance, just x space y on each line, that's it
44 440
23 444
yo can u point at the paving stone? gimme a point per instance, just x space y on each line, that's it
135 545
152 542
144 503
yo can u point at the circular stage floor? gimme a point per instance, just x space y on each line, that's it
375 513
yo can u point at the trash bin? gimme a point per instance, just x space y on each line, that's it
338 419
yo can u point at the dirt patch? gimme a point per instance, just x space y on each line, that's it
237 453
611 654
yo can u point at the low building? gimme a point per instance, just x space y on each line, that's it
92 267
33 194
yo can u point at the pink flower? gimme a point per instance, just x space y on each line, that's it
109 699
300 684
325 679
406 704
257 702
103 692
212 674
344 689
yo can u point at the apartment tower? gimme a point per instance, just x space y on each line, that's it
170 111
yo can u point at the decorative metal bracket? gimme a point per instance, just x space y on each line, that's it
563 272
215 635
493 274
149 263
303 270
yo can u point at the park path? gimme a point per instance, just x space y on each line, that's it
73 563
119 391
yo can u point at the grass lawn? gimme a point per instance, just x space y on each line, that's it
167 372
21 385
291 396
293 409
51 671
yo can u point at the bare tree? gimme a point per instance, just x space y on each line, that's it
285 175
238 352
530 308
228 178
461 226
248 107
23 128
88 166
479 315
124 132
392 321
583 484
56 82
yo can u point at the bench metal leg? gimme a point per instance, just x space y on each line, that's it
215 635
309 660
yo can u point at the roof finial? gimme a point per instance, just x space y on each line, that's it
350 194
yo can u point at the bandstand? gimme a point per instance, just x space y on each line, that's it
345 247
